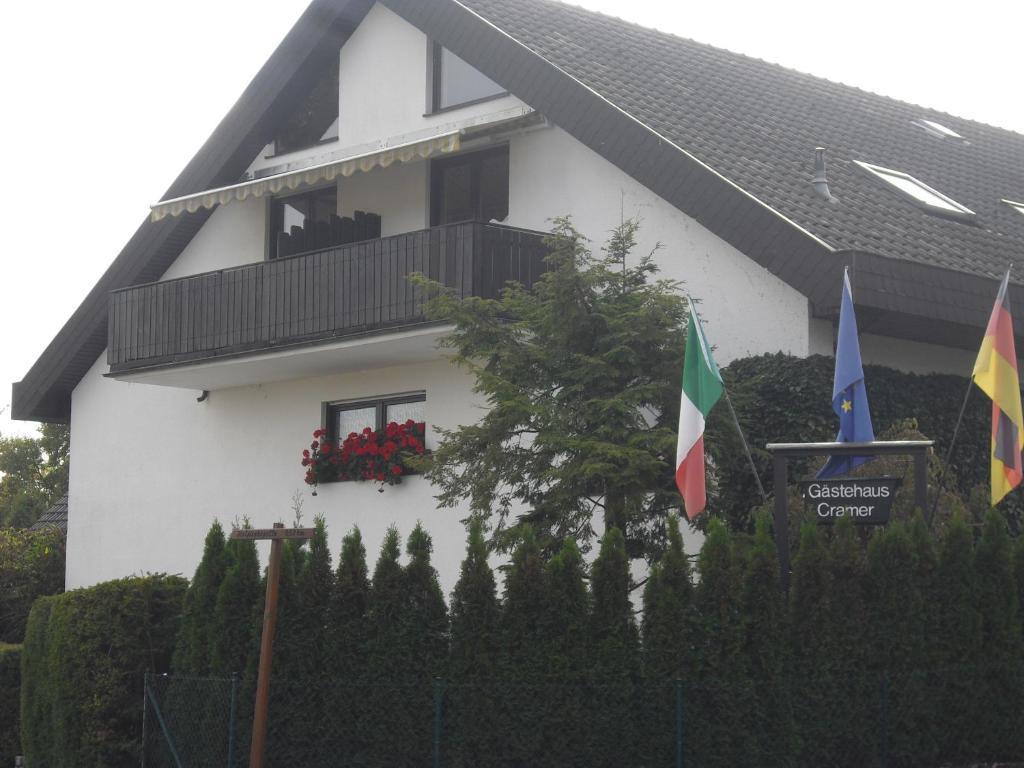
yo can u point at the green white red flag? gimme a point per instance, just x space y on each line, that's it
702 387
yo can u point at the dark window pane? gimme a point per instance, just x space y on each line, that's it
459 82
316 119
472 187
457 202
348 420
494 187
402 412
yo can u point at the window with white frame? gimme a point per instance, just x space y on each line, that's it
927 197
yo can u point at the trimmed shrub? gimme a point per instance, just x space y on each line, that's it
85 656
10 715
473 658
192 651
31 565
779 398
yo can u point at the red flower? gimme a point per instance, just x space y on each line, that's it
314 445
410 423
368 431
379 476
325 448
419 449
305 454
396 470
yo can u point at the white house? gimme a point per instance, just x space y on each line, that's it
267 292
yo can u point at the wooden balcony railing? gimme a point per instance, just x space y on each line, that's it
312 297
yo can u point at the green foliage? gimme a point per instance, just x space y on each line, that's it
814 646
34 474
524 646
192 651
31 565
720 711
613 658
958 642
473 656
236 619
10 702
668 631
765 652
84 658
1002 684
564 646
779 398
572 373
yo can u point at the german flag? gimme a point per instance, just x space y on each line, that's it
995 372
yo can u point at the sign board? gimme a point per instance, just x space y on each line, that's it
867 500
272 533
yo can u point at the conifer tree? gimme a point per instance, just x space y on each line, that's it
236 619
572 370
473 658
668 646
899 648
565 693
614 656
348 651
813 647
424 641
287 685
765 644
310 649
524 655
385 717
958 643
192 651
999 682
853 693
718 722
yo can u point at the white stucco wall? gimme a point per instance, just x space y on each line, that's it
152 468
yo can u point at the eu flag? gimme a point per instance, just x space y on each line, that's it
849 397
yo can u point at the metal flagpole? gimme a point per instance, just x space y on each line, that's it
735 420
949 451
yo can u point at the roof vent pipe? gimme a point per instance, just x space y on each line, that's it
820 181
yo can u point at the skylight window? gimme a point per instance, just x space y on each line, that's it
930 199
1019 207
938 129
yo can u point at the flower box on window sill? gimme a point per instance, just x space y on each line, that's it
379 456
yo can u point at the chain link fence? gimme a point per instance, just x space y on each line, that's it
917 719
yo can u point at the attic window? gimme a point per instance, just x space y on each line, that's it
937 129
930 199
1019 207
316 118
455 83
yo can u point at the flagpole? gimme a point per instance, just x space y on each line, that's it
949 452
746 448
735 420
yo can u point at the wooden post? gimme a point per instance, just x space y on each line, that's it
277 535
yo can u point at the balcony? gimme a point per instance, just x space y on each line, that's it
335 296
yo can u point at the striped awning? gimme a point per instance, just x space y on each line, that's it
314 174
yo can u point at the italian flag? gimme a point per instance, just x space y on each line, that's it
702 386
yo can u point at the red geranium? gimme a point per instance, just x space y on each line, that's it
379 456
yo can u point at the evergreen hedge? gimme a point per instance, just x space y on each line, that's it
779 398
84 659
10 717
896 646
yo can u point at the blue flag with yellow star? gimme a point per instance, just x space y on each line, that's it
849 397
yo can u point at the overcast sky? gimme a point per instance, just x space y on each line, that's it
105 102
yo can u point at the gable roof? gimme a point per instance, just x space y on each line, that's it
727 139
54 517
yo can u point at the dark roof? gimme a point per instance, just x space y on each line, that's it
727 139
55 516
